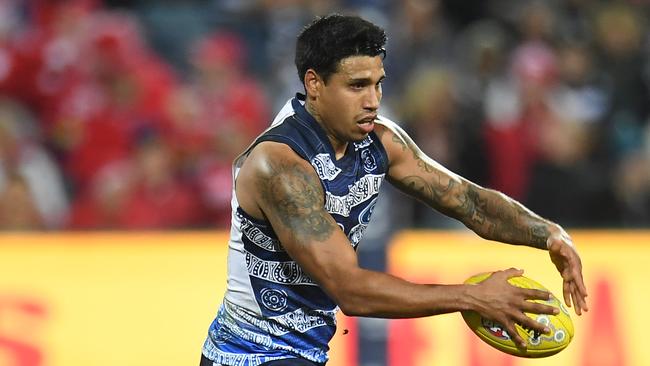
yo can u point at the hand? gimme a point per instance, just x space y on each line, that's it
567 261
496 299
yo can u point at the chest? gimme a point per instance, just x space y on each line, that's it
351 186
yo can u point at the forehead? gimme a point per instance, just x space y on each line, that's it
361 67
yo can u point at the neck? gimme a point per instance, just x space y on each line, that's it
339 146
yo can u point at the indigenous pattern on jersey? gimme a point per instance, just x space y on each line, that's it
272 309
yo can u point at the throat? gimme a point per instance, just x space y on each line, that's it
340 148
340 154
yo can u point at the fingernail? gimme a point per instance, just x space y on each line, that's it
547 330
556 311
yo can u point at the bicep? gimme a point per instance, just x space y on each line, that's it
291 197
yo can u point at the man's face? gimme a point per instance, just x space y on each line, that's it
348 104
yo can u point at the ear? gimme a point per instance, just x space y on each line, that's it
313 83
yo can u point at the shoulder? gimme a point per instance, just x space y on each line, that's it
267 157
389 129
270 171
393 137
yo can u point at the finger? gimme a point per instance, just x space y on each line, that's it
573 269
534 294
575 299
515 336
529 323
537 308
579 301
582 298
513 272
580 283
566 292
578 293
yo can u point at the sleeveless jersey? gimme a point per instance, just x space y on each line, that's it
272 309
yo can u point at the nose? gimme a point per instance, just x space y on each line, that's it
372 99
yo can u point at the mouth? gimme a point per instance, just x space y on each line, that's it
367 124
367 120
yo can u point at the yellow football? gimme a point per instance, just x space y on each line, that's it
539 345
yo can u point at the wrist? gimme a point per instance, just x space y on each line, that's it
467 299
556 232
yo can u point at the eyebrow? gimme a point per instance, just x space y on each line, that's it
365 80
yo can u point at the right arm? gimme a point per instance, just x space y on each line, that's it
287 191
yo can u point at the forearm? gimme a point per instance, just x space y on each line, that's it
373 294
495 216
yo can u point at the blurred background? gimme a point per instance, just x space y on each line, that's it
126 115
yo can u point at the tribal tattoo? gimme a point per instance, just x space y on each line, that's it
294 195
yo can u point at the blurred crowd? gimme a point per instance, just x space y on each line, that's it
127 114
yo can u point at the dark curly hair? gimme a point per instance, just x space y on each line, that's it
327 40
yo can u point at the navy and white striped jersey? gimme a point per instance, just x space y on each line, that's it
272 309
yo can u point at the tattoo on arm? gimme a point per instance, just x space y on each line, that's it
420 187
398 140
423 165
490 214
472 207
297 201
539 234
498 217
427 191
428 184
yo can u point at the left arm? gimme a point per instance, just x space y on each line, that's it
490 214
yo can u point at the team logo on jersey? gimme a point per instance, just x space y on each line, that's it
325 167
356 233
369 163
366 213
273 299
361 191
363 143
